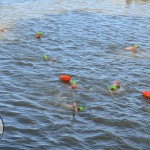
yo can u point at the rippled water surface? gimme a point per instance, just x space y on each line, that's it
87 38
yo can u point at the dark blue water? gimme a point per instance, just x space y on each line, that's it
87 38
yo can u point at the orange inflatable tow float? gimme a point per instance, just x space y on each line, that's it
146 94
65 78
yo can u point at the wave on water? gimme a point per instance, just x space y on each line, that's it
87 38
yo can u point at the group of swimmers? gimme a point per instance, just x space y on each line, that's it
39 35
114 87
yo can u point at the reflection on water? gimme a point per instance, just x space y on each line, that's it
87 38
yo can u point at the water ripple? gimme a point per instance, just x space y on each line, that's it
87 38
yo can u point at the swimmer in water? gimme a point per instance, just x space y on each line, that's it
73 107
38 35
132 48
2 30
46 57
115 86
73 84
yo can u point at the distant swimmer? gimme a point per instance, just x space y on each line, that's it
46 57
73 84
115 86
2 30
132 48
73 107
38 35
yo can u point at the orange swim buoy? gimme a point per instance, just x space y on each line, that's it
146 94
65 78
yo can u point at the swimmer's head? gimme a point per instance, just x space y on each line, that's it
113 87
73 82
39 33
80 108
135 45
45 57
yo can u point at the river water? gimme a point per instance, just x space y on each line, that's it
87 38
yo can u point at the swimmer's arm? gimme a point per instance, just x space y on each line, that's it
67 106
